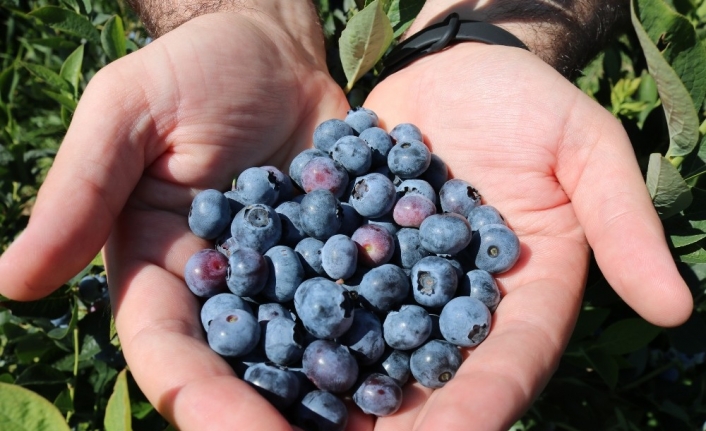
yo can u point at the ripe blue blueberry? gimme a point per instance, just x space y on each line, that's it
373 195
393 363
247 272
320 214
379 142
409 159
327 133
283 183
290 218
483 215
384 287
285 274
209 214
408 328
257 226
464 321
445 233
321 411
221 303
270 310
437 173
496 248
353 154
378 395
434 281
406 131
408 248
277 385
282 341
435 363
339 257
324 308
257 186
233 333
458 196
330 366
361 119
364 338
481 285
309 252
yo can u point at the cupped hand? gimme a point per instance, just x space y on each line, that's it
188 112
562 172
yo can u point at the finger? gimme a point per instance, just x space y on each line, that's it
598 170
531 326
97 166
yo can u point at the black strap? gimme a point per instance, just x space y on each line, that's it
438 36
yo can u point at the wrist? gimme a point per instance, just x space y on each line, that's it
566 35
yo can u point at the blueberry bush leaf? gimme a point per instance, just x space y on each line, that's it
669 192
679 106
363 42
71 69
117 413
67 21
627 335
113 38
24 410
402 13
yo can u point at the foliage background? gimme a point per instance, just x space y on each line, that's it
60 362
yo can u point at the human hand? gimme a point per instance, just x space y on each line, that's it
219 94
562 171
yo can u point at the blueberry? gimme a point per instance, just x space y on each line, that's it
361 119
323 173
409 158
285 274
282 341
233 333
434 281
406 131
384 287
327 133
373 195
445 233
364 338
279 386
257 186
247 272
408 248
435 363
386 222
330 366
481 285
283 183
458 196
323 307
321 411
290 218
233 201
465 321
408 328
380 144
257 226
209 214
350 219
339 257
309 252
394 363
496 248
483 215
320 214
378 395
204 273
221 303
353 154
90 289
298 163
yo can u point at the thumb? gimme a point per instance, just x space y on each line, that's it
98 165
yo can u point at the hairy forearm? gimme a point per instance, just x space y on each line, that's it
162 16
564 33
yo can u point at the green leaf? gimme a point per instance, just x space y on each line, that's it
698 256
605 365
684 240
589 320
71 69
117 412
363 42
402 14
24 410
63 401
113 38
65 99
40 374
627 335
67 21
60 333
670 194
679 106
49 76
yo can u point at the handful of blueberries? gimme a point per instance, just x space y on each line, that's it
362 266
